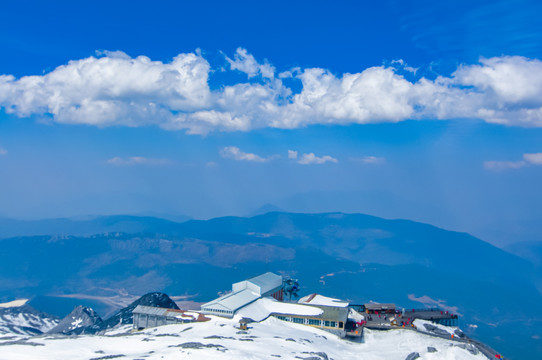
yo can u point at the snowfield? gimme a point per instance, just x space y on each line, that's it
220 339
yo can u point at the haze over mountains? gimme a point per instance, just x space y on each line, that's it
351 256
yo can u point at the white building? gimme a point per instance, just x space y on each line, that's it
244 293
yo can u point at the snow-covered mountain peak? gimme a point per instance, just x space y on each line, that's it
80 317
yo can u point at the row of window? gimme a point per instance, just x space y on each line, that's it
314 322
220 311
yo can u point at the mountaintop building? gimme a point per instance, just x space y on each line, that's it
244 293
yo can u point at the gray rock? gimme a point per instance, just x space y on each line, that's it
321 355
459 333
219 337
412 356
431 349
108 357
435 330
198 345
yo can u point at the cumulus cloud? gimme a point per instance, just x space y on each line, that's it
310 158
245 62
233 152
111 90
528 159
137 160
115 89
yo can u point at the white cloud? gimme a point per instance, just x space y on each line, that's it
528 159
292 154
3 151
504 165
115 89
245 62
111 90
403 65
310 158
137 160
535 159
511 79
369 160
233 152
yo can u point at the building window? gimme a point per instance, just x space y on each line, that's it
341 324
333 323
326 323
314 322
298 320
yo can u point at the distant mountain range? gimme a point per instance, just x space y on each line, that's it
86 226
351 256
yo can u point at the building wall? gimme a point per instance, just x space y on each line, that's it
279 295
217 311
333 326
143 321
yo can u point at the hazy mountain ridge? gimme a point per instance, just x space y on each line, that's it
87 226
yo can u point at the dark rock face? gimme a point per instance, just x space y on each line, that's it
80 317
25 320
412 356
459 333
435 330
124 316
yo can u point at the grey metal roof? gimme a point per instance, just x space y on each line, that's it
234 301
333 312
158 311
379 306
150 310
267 281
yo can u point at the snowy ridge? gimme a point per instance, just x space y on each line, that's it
220 339
25 320
317 299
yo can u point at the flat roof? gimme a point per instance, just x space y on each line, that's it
377 306
267 281
151 310
234 301
333 313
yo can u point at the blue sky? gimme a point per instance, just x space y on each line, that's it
430 111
